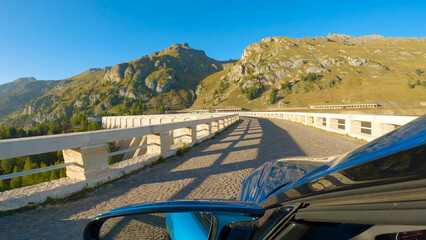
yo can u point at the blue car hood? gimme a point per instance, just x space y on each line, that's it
275 174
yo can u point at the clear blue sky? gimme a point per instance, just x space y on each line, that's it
61 38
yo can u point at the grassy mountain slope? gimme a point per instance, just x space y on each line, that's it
166 79
339 69
20 92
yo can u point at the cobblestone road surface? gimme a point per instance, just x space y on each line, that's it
214 169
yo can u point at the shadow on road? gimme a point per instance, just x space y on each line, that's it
255 141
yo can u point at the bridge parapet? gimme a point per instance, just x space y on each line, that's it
366 127
87 154
110 122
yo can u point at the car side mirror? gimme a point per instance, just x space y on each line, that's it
182 219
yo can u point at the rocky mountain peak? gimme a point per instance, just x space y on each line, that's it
342 37
160 71
177 48
25 80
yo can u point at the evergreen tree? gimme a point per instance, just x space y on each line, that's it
28 180
62 172
7 165
93 126
59 156
84 124
54 174
21 132
15 182
2 133
53 127
44 176
161 109
3 186
138 110
272 96
12 132
134 107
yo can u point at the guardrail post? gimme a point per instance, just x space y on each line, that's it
328 122
91 161
348 125
208 128
215 126
376 129
191 135
160 143
355 127
385 128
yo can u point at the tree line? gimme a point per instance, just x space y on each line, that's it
77 123
63 124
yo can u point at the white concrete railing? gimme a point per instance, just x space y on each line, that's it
366 127
110 122
86 154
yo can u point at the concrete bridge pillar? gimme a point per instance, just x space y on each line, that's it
91 161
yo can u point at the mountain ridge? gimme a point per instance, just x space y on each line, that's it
21 91
337 69
167 79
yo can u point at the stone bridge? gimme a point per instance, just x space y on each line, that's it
213 168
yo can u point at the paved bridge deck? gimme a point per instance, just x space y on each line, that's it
214 169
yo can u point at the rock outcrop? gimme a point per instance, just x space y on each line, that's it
116 73
164 70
